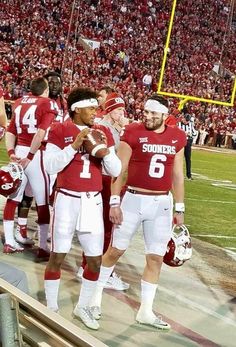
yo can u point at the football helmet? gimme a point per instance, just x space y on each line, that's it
10 178
179 248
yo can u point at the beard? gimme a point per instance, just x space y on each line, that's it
153 123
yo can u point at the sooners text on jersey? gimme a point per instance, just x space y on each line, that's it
153 154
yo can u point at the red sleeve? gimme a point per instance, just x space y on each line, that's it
55 135
12 126
1 92
171 121
46 113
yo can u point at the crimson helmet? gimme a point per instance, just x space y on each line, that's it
179 248
10 178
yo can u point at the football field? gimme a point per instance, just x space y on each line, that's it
210 197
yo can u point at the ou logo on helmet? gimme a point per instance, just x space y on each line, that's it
118 101
7 186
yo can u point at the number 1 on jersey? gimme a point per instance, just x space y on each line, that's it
85 172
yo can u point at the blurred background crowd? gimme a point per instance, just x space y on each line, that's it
128 39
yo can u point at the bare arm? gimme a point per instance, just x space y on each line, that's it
37 140
178 184
124 153
3 116
10 140
35 144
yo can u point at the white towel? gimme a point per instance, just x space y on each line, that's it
90 219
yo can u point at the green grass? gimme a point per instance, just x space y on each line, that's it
209 209
3 154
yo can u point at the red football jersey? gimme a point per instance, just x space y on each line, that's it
1 92
31 113
171 121
153 154
84 172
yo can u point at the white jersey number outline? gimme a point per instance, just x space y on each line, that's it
85 172
28 119
157 168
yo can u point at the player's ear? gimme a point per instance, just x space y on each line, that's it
165 116
78 111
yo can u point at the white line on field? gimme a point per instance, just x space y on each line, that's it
223 151
215 236
197 306
231 186
218 201
231 253
206 178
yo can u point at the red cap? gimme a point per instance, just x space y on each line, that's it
113 101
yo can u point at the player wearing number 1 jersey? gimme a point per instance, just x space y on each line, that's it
33 115
153 155
78 202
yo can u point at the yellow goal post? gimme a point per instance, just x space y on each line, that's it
185 98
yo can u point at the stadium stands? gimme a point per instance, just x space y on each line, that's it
34 34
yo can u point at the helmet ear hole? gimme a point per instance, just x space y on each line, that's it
11 177
179 248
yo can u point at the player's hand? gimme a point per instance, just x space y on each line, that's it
24 162
178 218
80 139
14 158
116 215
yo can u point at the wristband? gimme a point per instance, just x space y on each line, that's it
179 207
30 156
10 152
114 200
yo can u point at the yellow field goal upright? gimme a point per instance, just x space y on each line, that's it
183 96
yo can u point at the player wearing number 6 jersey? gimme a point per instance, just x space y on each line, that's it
152 153
78 202
33 115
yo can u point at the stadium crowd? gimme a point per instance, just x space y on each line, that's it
34 39
46 35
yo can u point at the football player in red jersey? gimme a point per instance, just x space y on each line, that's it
32 116
114 120
153 155
55 93
78 201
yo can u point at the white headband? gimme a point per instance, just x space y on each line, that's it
84 103
155 106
